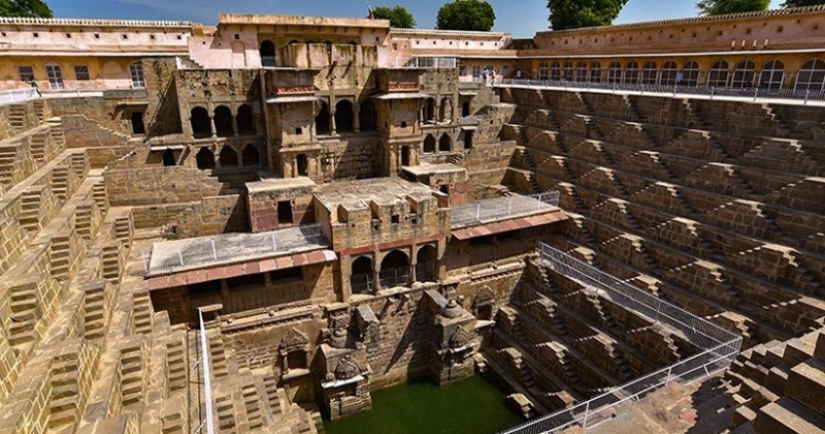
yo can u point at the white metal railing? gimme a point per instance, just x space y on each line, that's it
19 95
208 421
432 62
170 256
719 346
491 210
751 93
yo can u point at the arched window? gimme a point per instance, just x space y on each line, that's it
581 72
205 159
429 144
614 73
718 76
429 111
395 270
246 122
555 71
368 116
228 157
361 280
223 121
743 75
445 143
136 73
669 73
690 74
250 156
344 116
543 71
596 72
267 54
568 71
425 268
649 73
631 73
201 125
322 120
811 77
772 76
446 111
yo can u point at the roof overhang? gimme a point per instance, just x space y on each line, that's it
509 225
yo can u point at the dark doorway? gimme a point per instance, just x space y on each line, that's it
395 270
250 156
468 139
465 109
169 158
322 121
201 125
223 121
246 121
445 144
405 156
425 269
362 276
205 159
368 116
429 144
285 213
138 128
228 157
429 111
267 54
303 165
344 117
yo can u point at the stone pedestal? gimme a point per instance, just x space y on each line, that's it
345 384
453 340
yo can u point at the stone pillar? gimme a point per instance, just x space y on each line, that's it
356 120
239 155
212 128
332 127
235 124
413 263
312 166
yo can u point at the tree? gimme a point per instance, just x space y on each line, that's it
25 8
721 7
573 14
399 16
466 15
800 3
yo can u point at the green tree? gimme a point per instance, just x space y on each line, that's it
800 3
721 7
466 15
573 14
25 8
399 16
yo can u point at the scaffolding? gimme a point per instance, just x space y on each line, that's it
171 256
503 208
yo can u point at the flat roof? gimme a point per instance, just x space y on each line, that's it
358 194
427 169
274 184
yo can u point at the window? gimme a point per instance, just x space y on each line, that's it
772 76
395 219
811 77
669 74
690 74
285 213
614 73
26 73
136 71
81 73
568 71
596 72
543 72
581 72
743 75
718 76
55 77
555 71
649 73
476 71
631 73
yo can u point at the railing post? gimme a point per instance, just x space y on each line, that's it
586 414
755 94
214 250
667 379
180 256
478 212
807 95
274 243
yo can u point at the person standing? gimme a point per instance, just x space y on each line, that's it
34 86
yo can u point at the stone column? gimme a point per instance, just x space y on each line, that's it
235 124
356 120
332 126
239 155
413 263
212 127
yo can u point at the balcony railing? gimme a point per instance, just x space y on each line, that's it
268 61
432 62
362 284
392 277
503 208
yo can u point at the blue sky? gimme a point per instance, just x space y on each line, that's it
522 18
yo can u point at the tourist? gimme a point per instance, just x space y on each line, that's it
34 86
484 75
518 74
493 75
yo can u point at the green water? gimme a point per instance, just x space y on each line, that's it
472 406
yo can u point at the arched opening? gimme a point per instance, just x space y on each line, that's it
368 116
405 156
631 73
772 76
581 72
228 157
484 304
568 71
718 76
201 125
429 111
429 144
361 281
465 109
445 143
303 165
395 270
811 77
614 73
267 54
595 72
223 121
250 156
138 127
670 73
649 73
169 158
543 71
205 159
690 74
344 116
425 268
322 121
743 75
446 110
555 71
246 122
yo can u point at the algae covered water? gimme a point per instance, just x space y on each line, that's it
472 406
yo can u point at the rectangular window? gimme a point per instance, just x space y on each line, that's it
136 72
285 213
26 73
476 71
55 77
81 73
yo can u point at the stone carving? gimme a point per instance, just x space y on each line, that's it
293 340
453 310
459 338
347 368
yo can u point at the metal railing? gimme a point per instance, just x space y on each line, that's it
425 272
751 93
719 346
502 208
392 277
432 62
208 421
170 256
362 284
19 95
268 61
